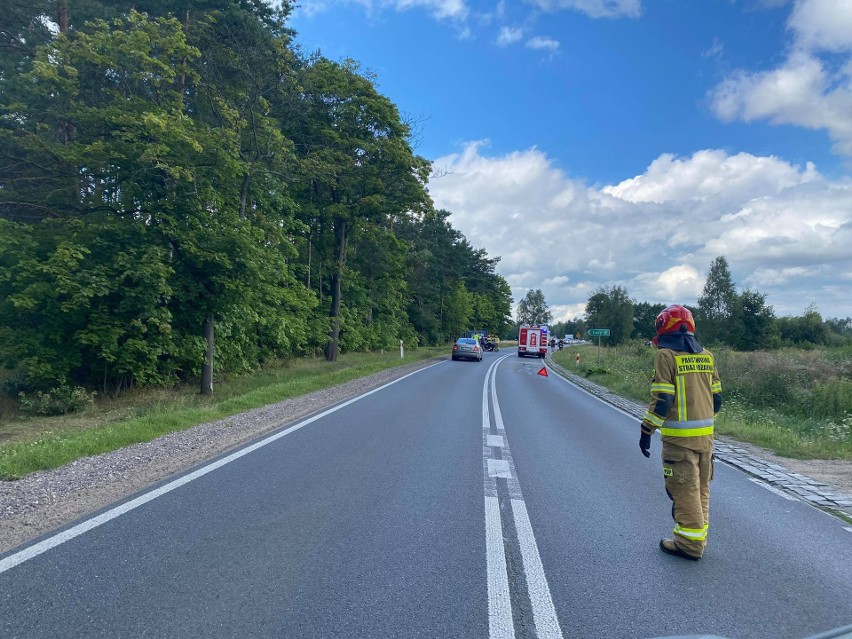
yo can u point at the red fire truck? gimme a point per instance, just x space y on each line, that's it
532 340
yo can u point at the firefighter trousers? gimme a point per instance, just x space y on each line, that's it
687 475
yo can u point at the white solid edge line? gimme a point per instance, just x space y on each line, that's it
486 418
544 612
772 489
498 416
500 623
590 394
60 538
657 433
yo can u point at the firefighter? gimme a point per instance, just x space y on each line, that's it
686 394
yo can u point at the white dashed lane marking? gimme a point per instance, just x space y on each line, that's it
496 440
499 592
499 468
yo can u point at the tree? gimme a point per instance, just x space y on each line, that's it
807 330
839 330
644 315
439 257
612 308
716 302
459 310
135 239
752 322
532 309
357 166
182 178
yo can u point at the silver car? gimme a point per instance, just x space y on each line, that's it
467 348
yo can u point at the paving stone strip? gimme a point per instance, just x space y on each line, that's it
793 484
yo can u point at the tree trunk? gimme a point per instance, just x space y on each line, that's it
207 366
244 194
310 245
334 334
63 16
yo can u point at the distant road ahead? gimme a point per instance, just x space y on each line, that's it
465 500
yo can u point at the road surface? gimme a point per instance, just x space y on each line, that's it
467 499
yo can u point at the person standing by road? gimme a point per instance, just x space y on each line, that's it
686 394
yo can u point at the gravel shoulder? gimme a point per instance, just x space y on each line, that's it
46 500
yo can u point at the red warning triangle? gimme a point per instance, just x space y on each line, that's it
543 372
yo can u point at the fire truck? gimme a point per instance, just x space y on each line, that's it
532 340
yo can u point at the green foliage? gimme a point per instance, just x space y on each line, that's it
439 258
833 398
717 303
752 323
459 310
575 328
162 169
796 402
533 309
644 317
612 308
57 401
809 329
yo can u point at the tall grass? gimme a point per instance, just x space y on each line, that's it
795 402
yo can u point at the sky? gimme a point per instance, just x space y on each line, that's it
595 143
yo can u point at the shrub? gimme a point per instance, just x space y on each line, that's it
57 401
17 384
833 398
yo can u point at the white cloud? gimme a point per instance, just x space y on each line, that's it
509 35
542 43
800 92
784 229
566 312
682 281
440 8
709 174
715 49
823 24
806 90
594 8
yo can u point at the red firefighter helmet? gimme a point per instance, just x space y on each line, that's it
675 319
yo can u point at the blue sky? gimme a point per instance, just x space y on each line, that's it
601 142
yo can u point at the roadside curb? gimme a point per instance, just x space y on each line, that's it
792 485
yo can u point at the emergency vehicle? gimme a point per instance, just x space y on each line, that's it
532 340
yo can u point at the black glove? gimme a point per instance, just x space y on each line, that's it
645 444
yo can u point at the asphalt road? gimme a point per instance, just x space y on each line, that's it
465 500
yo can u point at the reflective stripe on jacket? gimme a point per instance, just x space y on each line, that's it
682 398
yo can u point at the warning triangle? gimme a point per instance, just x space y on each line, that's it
543 371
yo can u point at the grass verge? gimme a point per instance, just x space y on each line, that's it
39 444
792 402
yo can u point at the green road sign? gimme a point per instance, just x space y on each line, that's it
599 332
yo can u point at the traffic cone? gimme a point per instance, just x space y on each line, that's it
543 371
